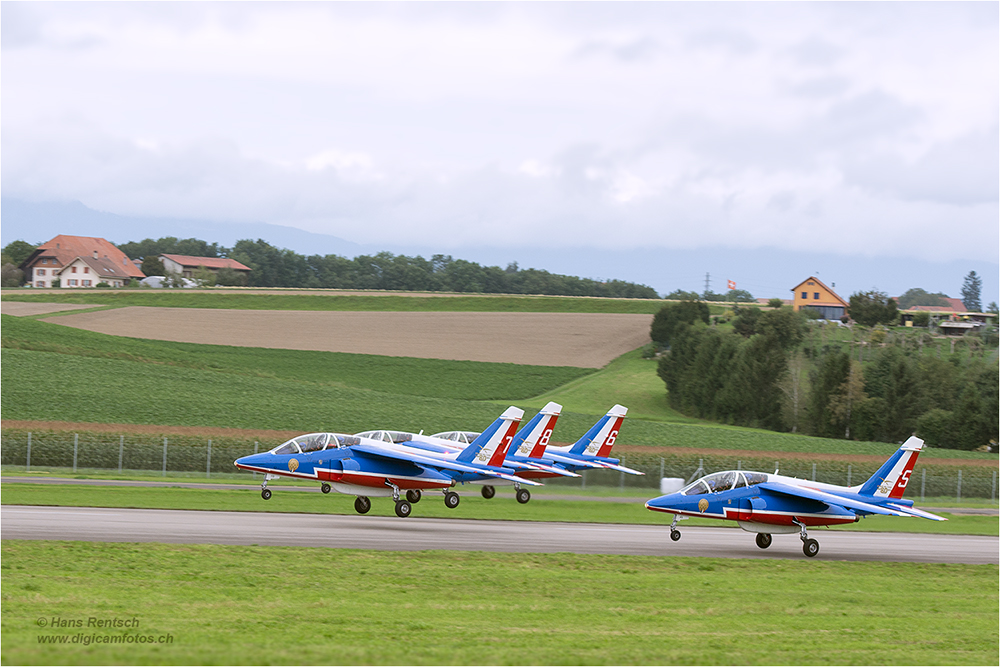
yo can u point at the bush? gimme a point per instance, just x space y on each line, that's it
775 303
668 318
11 276
921 319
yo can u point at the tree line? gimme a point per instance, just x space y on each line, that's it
280 267
768 371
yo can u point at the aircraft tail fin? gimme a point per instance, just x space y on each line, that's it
601 437
531 440
891 479
490 448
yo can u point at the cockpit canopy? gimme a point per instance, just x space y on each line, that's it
461 437
314 442
723 481
395 437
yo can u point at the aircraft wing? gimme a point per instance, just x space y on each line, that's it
915 512
518 465
620 468
431 462
571 460
830 499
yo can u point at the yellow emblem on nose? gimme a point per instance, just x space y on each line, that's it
293 465
703 504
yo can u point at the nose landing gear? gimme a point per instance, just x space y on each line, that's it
674 533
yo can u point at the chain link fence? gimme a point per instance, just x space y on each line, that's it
213 458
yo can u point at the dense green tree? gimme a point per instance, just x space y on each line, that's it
667 319
971 289
681 295
871 308
918 297
10 275
152 266
18 251
172 246
831 374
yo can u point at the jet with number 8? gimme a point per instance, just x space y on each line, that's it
769 504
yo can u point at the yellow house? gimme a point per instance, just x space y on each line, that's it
812 293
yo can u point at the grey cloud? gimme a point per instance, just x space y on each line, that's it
818 88
963 172
642 48
20 25
734 42
816 52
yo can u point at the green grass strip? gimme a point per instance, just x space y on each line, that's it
212 604
328 300
473 506
471 380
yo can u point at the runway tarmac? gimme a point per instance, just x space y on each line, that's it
414 534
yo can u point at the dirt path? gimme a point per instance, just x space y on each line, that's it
21 309
586 340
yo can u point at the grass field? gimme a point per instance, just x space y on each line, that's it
331 300
473 506
281 605
405 376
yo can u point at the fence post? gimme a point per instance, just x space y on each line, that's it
164 457
923 482
848 474
121 452
255 444
583 479
76 444
739 465
814 472
958 492
993 486
621 483
662 462
27 463
208 466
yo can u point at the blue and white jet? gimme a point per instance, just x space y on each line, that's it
532 455
366 468
769 504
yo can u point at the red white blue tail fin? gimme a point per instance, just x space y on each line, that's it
490 448
891 479
531 440
599 440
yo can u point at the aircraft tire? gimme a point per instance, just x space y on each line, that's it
403 508
451 500
675 535
325 488
810 548
523 496
265 494
362 505
489 492
413 495
764 540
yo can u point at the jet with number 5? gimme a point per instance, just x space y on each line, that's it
769 504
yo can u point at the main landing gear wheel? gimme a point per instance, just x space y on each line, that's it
403 508
413 495
523 496
489 492
325 488
810 547
265 494
362 505
675 534
764 540
451 500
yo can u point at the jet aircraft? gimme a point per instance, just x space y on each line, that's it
531 448
450 449
769 504
363 467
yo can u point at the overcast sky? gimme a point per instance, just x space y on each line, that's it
857 128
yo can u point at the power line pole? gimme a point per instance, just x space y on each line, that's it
708 282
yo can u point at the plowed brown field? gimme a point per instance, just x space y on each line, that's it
586 340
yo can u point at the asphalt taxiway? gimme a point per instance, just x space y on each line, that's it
415 533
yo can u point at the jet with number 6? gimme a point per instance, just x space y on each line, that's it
769 504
